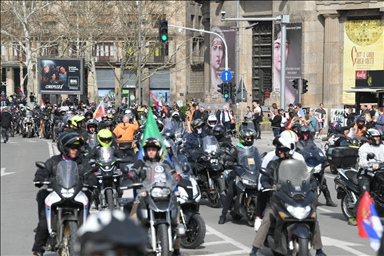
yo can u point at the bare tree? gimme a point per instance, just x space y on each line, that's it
23 24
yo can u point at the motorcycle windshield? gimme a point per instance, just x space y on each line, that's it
28 114
211 145
353 139
106 155
179 161
158 175
169 124
294 177
313 157
67 174
247 158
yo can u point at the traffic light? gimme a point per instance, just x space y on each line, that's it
221 88
163 31
296 84
232 91
305 85
226 90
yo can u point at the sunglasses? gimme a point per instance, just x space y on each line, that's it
199 127
74 146
283 150
106 140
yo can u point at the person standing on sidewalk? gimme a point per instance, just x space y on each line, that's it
323 115
257 118
5 119
275 122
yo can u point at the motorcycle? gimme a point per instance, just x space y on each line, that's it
158 210
66 207
48 126
210 173
246 192
28 125
109 178
347 187
188 198
294 207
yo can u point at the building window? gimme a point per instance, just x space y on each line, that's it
18 52
49 50
104 51
2 50
193 21
77 49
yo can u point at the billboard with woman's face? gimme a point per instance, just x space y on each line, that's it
218 54
60 76
292 60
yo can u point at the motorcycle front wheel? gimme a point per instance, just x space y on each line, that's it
69 239
303 247
214 194
195 233
346 201
251 213
162 241
109 198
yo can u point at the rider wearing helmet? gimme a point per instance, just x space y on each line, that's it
219 132
246 139
88 115
194 140
103 122
211 122
284 150
92 133
373 145
69 146
359 128
105 139
110 232
153 150
305 138
124 133
77 122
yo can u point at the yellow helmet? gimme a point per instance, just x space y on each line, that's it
105 137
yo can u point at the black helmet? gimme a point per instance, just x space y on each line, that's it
284 145
304 132
295 127
197 123
176 116
218 131
370 134
91 123
360 121
168 133
88 115
152 142
69 139
110 231
243 134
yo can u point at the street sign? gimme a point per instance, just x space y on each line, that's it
226 76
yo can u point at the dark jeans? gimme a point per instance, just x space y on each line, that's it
276 132
257 128
227 126
5 133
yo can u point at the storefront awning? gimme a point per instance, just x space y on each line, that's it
373 90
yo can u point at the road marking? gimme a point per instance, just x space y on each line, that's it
329 176
214 243
238 252
327 241
3 173
31 141
324 210
50 148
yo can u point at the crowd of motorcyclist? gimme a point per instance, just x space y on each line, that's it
79 136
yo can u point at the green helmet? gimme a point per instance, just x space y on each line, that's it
76 120
105 137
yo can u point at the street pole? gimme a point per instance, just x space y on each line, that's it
237 52
284 19
209 32
139 53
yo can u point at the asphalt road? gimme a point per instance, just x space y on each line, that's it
19 210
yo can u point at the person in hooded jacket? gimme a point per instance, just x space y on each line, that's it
5 119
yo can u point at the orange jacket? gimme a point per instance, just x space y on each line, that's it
126 130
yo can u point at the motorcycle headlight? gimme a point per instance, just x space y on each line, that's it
249 182
160 192
299 212
67 192
318 168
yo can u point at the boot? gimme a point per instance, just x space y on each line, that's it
222 219
328 200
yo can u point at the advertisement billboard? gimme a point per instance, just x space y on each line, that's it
60 76
363 52
292 60
218 54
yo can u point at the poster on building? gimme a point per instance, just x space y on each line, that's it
292 60
60 76
219 54
363 52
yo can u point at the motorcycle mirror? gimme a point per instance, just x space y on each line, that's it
370 156
185 168
265 173
92 161
40 164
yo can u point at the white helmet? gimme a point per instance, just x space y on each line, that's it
128 111
212 120
290 135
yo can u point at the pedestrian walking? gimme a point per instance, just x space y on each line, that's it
5 119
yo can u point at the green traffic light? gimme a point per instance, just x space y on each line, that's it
164 37
226 96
